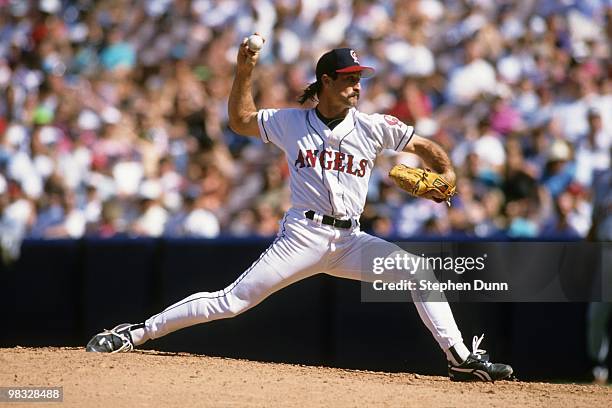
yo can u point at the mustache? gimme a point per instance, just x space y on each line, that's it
354 94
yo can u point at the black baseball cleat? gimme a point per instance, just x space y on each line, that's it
116 340
477 367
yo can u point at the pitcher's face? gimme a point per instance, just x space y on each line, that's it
345 89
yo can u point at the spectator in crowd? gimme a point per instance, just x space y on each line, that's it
599 313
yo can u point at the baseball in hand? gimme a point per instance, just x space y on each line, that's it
255 42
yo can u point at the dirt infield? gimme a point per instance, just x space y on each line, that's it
154 379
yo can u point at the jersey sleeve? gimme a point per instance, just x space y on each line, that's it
395 133
274 125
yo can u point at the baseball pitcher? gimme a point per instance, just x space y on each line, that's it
330 150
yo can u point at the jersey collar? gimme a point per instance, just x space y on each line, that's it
340 131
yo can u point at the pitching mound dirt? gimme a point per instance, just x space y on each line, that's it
154 379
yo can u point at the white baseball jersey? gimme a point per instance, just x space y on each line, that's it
330 169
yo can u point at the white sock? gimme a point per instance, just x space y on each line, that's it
457 353
138 334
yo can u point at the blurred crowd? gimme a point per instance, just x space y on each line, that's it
113 113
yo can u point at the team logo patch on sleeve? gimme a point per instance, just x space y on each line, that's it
391 120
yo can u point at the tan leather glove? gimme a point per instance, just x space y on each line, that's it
422 183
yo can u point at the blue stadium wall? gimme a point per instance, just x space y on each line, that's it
60 293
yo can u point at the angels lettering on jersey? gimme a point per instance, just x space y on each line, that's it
331 160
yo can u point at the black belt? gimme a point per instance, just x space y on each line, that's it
327 220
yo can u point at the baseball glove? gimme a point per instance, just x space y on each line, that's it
422 183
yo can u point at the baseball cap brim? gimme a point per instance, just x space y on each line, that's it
366 72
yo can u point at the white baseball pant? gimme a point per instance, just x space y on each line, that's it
302 248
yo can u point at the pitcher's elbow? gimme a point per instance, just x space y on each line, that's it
236 125
232 125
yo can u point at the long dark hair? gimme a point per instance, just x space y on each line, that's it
311 92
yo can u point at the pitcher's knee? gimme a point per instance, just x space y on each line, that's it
235 305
